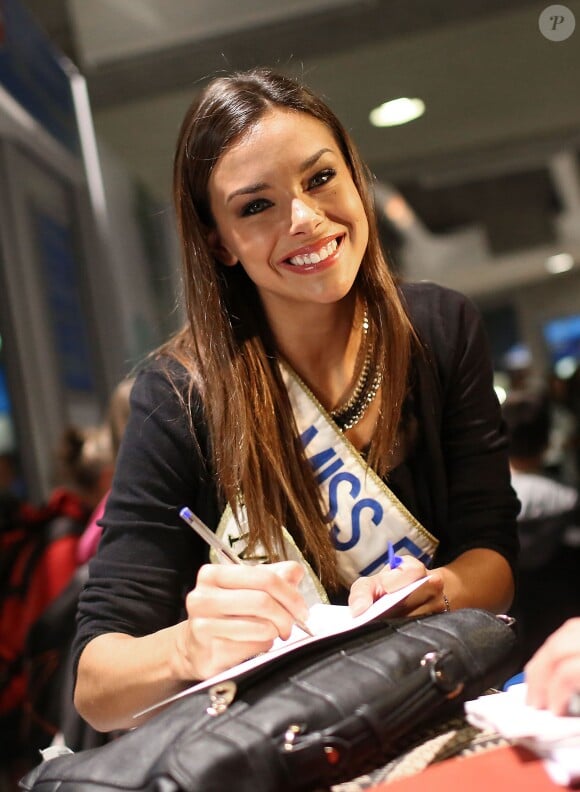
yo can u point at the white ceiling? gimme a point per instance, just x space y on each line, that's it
112 30
491 81
502 100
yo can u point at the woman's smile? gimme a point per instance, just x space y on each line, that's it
316 257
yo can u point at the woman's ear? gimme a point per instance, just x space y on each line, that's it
219 250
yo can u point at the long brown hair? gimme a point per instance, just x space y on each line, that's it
226 345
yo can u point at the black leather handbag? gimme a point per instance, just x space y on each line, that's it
316 716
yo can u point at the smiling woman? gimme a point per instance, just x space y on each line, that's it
313 411
299 216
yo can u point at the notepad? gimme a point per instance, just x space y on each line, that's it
323 621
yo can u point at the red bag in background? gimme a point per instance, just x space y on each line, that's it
38 558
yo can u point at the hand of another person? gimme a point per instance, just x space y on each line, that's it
235 612
553 673
428 598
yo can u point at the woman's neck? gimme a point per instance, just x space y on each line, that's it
322 346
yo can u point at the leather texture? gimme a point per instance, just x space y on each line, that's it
316 716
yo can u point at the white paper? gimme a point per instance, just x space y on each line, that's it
323 621
509 714
563 764
555 738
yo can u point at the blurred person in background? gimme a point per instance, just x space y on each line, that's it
38 560
528 416
10 491
559 459
574 405
115 422
9 477
74 731
549 585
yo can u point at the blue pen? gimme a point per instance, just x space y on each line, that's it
394 559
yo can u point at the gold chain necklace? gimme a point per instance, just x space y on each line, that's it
351 412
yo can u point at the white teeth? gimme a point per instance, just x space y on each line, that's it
315 258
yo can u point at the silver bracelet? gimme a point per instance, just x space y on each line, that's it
447 607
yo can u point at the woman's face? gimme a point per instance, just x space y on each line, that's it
286 208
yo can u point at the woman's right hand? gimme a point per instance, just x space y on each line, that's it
235 612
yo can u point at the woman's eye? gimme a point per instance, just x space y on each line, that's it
255 207
322 177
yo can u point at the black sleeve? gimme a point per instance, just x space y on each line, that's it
466 459
148 558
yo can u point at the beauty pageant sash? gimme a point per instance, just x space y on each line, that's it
363 513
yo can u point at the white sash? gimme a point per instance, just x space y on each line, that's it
364 514
236 536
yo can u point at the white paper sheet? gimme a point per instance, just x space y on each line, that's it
323 621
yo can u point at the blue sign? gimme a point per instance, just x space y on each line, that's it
60 269
563 337
33 72
4 397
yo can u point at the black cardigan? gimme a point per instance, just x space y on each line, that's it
455 478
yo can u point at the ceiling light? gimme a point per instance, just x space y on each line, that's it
501 393
566 367
396 112
501 385
561 262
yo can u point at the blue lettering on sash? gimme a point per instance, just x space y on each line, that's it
365 503
318 461
333 491
336 465
308 434
405 543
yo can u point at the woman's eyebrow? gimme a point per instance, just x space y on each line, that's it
251 188
308 163
254 188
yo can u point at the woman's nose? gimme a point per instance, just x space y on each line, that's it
303 217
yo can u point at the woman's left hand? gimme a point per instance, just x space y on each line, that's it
428 598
